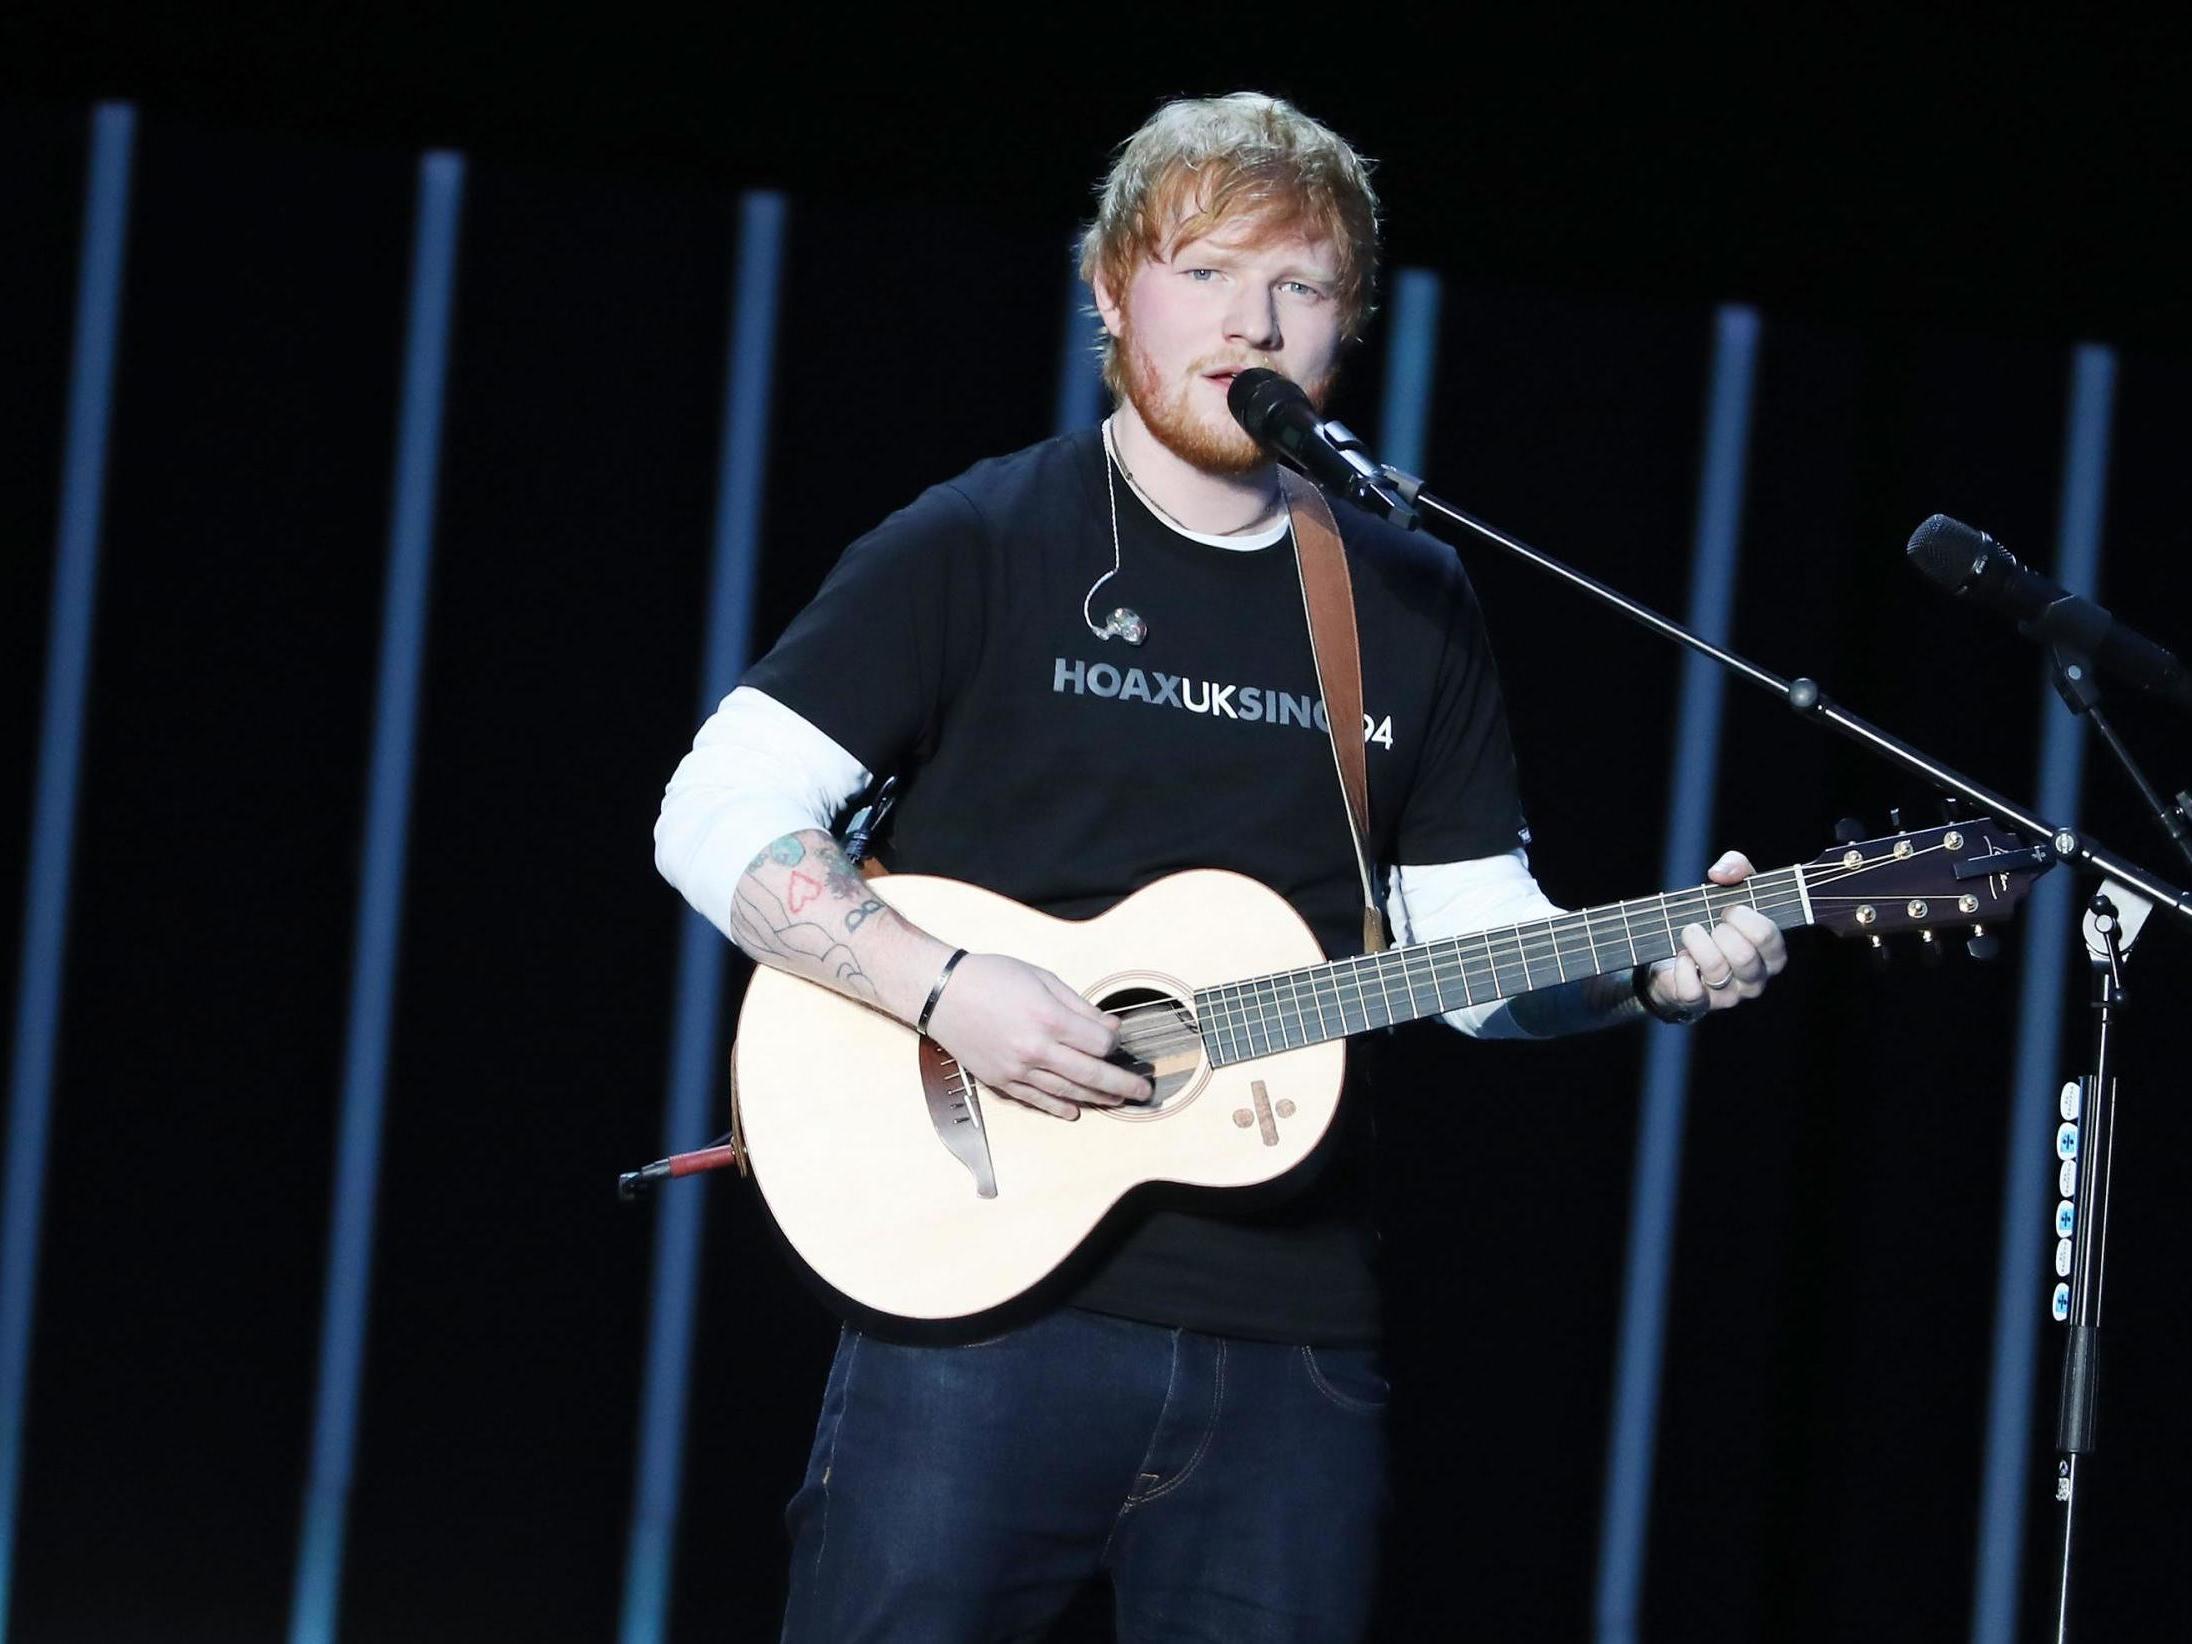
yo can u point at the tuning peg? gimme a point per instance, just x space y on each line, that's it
1928 949
1879 952
1848 831
1895 819
1951 808
1982 943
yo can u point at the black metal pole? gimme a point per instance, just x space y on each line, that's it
1811 702
2088 1134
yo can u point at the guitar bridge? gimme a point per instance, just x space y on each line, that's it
955 1109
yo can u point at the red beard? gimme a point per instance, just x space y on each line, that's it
1216 445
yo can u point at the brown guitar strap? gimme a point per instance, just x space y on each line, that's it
1328 599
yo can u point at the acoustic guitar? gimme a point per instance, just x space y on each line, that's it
913 1191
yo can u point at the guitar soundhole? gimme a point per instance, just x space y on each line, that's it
1157 1038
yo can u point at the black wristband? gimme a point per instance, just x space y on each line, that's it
937 992
1640 983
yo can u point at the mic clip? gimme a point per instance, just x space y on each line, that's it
1371 488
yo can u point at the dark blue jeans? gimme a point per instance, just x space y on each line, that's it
1232 1491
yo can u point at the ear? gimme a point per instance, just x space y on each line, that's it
1108 307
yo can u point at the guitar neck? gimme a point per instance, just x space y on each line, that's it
1267 1014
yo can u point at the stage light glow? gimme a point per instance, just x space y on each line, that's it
2020 1285
1656 1179
696 1030
317 1590
60 758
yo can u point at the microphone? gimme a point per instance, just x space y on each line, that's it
1279 417
1969 564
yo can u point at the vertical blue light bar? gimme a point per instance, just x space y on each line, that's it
1411 354
696 1032
2020 1289
318 1584
1080 402
1625 1514
53 807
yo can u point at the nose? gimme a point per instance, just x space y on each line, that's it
1252 317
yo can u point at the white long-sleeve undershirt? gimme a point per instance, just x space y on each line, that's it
759 771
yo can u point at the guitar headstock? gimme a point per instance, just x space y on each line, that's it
1964 873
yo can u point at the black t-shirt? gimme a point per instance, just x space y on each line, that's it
949 647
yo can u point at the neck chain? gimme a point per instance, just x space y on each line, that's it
1262 514
1123 623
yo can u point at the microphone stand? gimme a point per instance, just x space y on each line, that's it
2085 1144
2088 1102
2086 1140
1804 696
2077 685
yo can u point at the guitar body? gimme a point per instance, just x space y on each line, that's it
912 1200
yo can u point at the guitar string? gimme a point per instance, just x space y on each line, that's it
1520 946
1538 944
1544 938
1230 1015
1528 941
1533 948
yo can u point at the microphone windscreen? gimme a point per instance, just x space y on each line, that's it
1255 394
1948 553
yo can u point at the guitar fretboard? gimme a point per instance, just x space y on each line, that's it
1267 1014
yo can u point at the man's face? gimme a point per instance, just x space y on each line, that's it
1243 295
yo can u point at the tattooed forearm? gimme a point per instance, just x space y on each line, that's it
845 880
768 930
802 906
820 874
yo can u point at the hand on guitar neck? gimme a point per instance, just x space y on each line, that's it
803 908
1721 967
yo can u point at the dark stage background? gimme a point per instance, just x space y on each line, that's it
1928 222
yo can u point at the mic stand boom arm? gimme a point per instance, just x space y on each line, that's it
1810 702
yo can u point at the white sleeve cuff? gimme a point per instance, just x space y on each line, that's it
1440 899
757 772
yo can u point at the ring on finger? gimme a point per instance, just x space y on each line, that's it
1727 981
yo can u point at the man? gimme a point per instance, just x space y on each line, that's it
1200 1417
